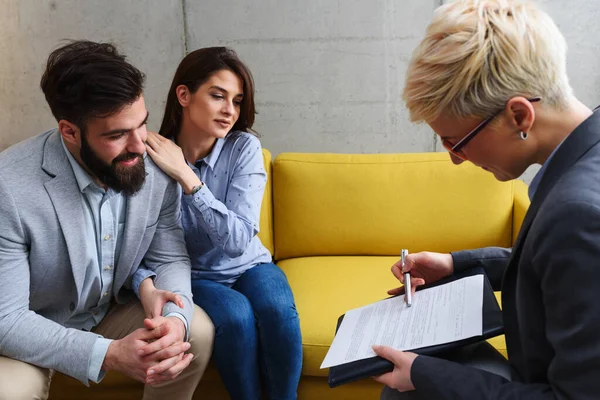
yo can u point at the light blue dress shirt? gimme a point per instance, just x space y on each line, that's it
104 218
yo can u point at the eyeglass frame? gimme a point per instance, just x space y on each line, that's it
455 150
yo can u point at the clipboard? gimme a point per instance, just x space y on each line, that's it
492 326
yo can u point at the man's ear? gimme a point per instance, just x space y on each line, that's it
70 132
183 95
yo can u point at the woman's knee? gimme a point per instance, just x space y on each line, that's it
228 309
277 311
275 299
237 320
276 304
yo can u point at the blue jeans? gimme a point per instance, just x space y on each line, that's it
257 333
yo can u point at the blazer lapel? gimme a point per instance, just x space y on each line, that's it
136 220
66 199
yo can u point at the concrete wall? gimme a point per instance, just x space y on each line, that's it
329 74
150 32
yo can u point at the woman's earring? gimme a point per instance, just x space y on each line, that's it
523 135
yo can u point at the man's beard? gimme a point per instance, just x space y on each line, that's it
126 180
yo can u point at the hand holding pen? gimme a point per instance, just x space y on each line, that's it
420 268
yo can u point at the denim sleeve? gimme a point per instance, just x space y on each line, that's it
138 278
232 225
95 374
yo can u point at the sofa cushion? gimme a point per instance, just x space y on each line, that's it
374 204
326 287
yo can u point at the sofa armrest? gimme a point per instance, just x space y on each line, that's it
266 212
520 206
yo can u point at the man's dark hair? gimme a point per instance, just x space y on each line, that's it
85 80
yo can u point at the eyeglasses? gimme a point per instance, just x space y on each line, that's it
456 149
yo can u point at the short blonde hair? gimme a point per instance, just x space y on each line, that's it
477 54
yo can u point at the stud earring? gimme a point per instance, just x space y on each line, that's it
523 135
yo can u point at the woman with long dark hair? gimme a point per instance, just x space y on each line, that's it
206 145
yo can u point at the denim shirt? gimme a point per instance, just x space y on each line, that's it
221 219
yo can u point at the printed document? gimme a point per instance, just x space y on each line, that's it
441 314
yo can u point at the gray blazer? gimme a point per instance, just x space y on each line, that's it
41 253
550 290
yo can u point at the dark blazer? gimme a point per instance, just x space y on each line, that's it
550 290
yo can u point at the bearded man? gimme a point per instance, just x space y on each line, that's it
81 209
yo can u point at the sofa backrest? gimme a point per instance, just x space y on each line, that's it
377 204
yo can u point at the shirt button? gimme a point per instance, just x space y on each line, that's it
107 237
107 268
105 294
72 306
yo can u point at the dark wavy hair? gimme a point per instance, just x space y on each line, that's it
195 69
84 80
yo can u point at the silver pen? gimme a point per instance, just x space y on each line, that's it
407 287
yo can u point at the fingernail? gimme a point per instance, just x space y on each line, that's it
187 345
151 372
150 381
140 352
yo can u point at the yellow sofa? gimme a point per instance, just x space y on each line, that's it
335 223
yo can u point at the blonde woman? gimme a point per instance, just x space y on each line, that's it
490 79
